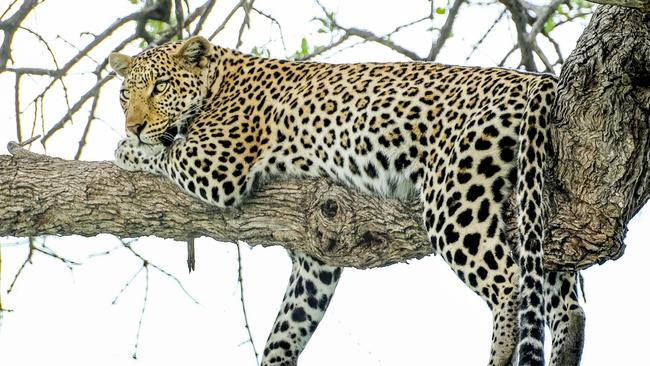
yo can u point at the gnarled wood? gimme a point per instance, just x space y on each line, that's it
599 176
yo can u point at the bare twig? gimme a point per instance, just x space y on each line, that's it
227 19
520 18
144 307
240 279
543 17
480 41
445 31
148 263
505 58
126 285
6 11
204 10
19 127
89 121
273 21
9 27
246 23
92 92
556 47
545 61
320 50
28 259
370 36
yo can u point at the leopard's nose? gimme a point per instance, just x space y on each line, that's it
136 128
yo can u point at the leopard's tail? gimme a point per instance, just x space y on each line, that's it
530 207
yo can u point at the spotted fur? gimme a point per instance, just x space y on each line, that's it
463 139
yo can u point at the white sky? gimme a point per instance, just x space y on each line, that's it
407 314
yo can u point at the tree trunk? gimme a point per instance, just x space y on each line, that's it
598 176
597 179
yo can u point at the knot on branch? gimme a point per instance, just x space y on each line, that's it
329 208
339 228
330 217
373 238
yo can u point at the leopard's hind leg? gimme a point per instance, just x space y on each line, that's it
564 317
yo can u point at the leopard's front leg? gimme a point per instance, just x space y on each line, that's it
133 155
209 173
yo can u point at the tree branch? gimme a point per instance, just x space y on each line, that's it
50 196
445 31
9 27
520 18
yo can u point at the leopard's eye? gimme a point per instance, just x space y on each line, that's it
160 87
124 94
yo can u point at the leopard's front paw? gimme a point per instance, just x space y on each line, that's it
133 155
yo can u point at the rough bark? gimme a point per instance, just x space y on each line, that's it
599 176
42 195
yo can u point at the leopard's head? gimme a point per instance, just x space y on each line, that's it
163 88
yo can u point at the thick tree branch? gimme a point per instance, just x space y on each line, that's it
50 196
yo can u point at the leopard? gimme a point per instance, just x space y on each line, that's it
462 140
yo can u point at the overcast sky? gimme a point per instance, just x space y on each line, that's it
407 314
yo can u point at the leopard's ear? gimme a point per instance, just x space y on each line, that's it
120 63
194 51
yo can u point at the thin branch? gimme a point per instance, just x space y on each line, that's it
84 136
28 259
19 127
543 17
556 47
246 23
370 36
275 22
204 10
126 285
240 279
144 307
6 11
9 27
227 19
520 18
92 92
545 61
572 18
174 278
320 50
505 58
191 259
50 253
480 41
445 31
